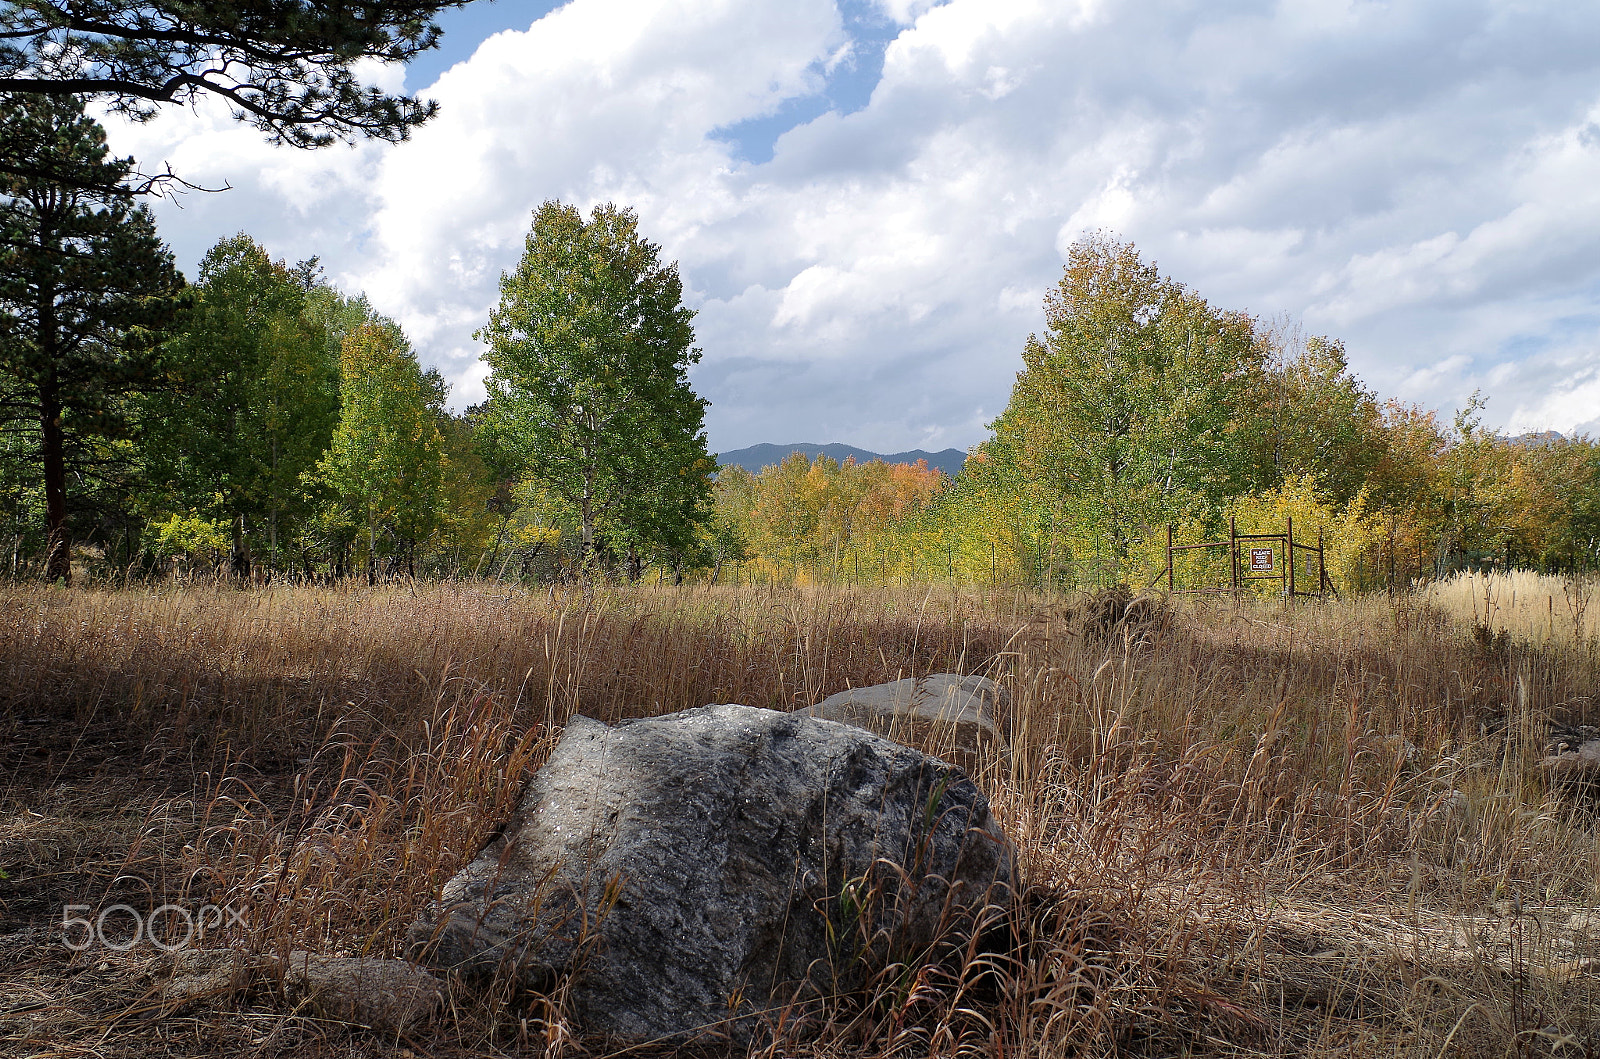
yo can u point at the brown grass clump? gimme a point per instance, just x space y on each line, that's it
1244 830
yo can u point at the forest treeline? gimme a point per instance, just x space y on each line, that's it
258 422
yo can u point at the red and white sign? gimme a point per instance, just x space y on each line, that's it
1261 561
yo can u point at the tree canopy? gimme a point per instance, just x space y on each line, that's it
384 461
264 424
285 66
254 396
1126 411
589 352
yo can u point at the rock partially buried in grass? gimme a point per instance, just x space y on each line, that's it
201 974
1572 758
945 714
385 995
695 874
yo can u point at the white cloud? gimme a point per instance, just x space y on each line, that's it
1423 181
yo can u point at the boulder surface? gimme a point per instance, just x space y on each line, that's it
1572 758
944 714
694 872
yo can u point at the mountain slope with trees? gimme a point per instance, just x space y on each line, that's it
756 457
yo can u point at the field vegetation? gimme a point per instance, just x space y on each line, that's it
1245 829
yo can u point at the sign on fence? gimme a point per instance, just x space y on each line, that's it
1249 560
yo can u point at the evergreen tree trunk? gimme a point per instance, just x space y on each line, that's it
58 546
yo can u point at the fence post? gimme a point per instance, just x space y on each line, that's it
1233 552
1169 559
1322 567
1289 574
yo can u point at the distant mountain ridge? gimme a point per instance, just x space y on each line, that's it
756 457
1541 440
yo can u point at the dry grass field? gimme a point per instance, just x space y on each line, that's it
1257 830
1533 608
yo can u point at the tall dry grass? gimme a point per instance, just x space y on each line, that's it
1531 607
1244 830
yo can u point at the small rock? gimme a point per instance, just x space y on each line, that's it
386 995
198 974
1572 758
945 714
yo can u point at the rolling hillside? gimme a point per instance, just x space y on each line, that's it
758 456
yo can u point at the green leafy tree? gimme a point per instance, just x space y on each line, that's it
87 291
254 401
589 394
473 505
1128 410
385 462
725 542
1315 418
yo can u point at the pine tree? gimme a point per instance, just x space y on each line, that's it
285 66
87 291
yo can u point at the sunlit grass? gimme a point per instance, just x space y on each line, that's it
1531 607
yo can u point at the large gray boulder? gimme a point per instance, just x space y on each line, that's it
945 714
695 873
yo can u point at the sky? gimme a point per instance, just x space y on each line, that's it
868 199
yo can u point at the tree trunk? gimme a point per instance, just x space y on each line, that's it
58 546
240 559
586 540
272 519
586 513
